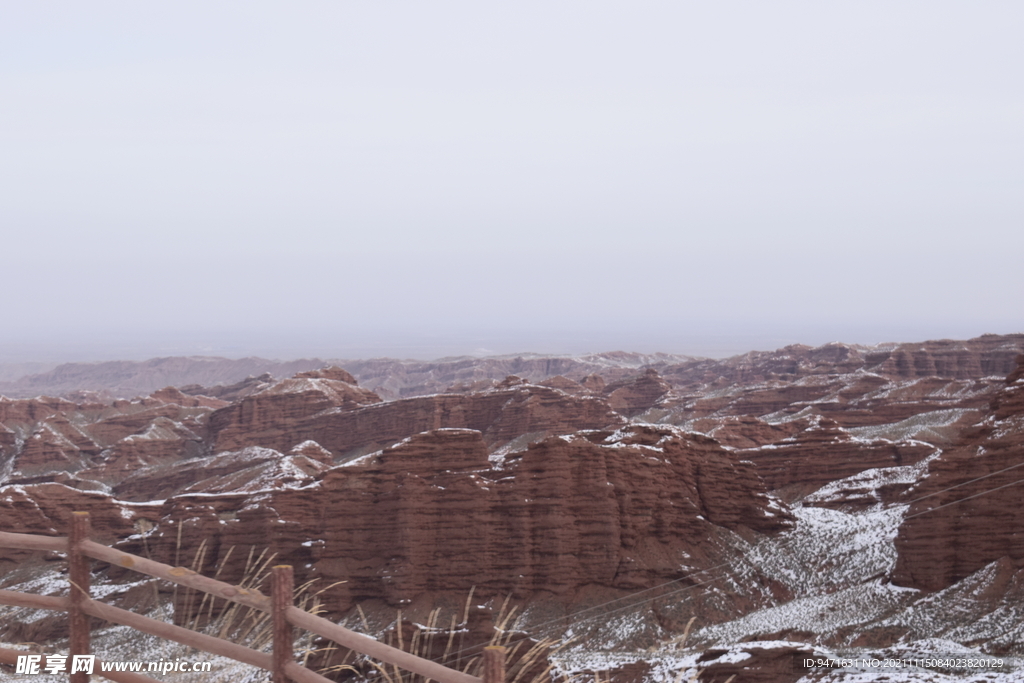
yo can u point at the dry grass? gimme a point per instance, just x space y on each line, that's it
527 661
244 625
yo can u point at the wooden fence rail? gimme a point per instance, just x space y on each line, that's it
284 615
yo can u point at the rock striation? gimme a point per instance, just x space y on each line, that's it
967 511
278 416
824 452
436 514
99 443
292 411
987 356
635 395
46 509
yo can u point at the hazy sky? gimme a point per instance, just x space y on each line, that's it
429 178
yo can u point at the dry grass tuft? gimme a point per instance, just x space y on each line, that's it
527 661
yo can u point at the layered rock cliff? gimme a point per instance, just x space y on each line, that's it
967 511
436 514
283 416
823 452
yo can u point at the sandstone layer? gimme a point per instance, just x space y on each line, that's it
282 416
823 452
967 512
435 514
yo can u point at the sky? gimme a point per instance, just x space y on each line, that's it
355 179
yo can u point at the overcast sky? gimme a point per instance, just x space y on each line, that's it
436 178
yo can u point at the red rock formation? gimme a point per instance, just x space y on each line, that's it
313 451
135 417
399 379
162 441
565 384
983 356
852 385
100 443
633 396
53 445
477 386
955 531
231 392
177 397
746 431
276 417
507 412
986 356
332 372
433 514
47 451
46 509
32 410
233 472
8 442
762 400
823 453
73 434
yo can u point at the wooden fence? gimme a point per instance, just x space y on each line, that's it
284 615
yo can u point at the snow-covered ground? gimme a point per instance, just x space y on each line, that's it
835 564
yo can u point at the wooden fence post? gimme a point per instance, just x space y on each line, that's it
78 574
494 664
282 584
286 616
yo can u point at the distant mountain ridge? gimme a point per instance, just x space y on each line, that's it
391 377
127 379
985 356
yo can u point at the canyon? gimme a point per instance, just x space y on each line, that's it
630 500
